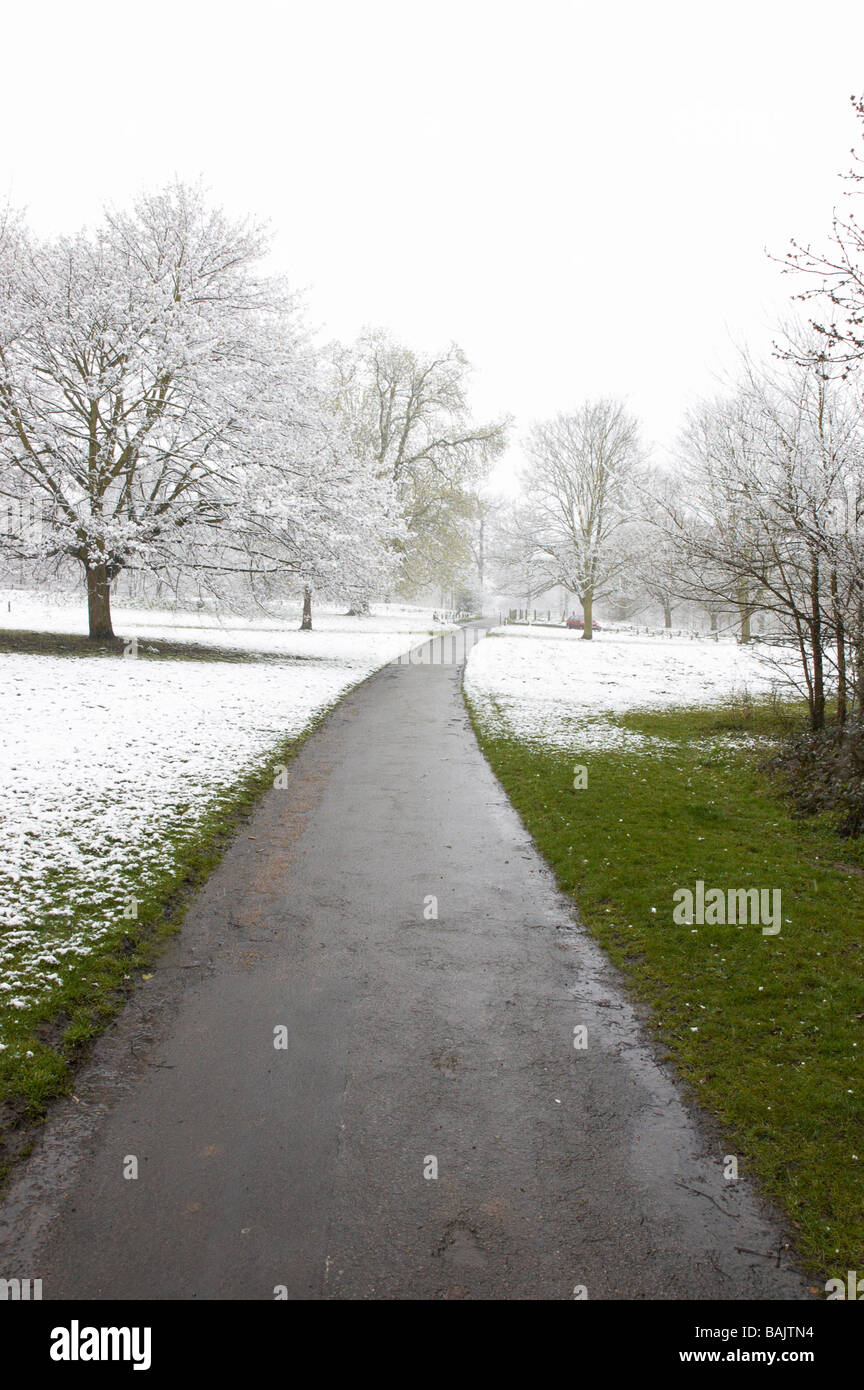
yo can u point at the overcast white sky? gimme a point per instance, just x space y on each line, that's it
579 194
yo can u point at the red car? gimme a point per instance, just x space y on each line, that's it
579 623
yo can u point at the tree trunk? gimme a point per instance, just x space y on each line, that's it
745 625
858 646
744 610
587 612
306 624
841 673
99 601
817 707
840 635
667 613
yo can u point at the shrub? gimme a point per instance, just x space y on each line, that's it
824 771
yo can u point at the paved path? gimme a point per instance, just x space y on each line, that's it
407 1039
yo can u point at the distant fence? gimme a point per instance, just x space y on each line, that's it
525 615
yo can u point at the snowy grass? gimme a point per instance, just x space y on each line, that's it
335 636
117 771
562 692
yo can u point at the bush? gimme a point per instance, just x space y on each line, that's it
824 771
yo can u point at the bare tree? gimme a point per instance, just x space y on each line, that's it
484 511
838 272
512 556
773 513
655 555
581 472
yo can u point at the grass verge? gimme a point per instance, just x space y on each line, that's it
766 1031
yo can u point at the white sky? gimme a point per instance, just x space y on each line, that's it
579 194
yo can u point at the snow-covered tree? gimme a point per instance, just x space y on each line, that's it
580 479
775 512
145 367
318 519
655 563
408 412
514 561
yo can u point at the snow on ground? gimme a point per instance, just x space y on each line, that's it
105 760
334 635
553 687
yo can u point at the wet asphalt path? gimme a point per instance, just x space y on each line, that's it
409 1039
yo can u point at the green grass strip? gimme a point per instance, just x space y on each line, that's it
766 1031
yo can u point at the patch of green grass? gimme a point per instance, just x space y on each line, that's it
57 1032
767 1031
